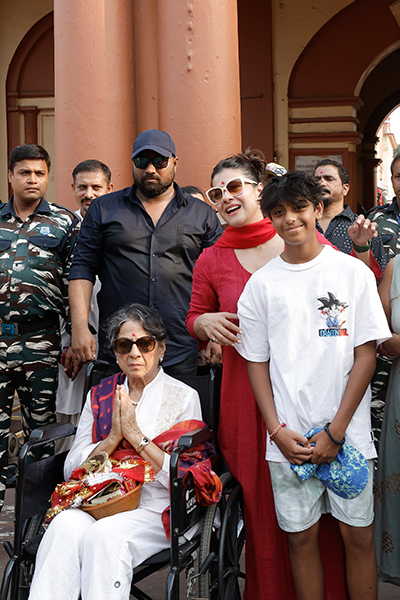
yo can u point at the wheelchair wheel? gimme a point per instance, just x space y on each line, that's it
208 581
35 528
13 445
231 541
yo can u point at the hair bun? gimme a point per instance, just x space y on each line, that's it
252 162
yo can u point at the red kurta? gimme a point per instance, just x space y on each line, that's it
218 281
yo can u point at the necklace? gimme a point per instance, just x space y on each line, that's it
135 403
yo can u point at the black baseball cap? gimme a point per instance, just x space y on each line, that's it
156 140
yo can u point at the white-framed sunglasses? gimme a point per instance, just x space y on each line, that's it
234 187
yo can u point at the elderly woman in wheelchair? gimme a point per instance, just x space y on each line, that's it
83 557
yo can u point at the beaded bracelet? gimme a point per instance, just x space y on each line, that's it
275 431
339 443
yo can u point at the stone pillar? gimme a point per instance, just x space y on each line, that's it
370 166
31 130
146 63
199 87
94 90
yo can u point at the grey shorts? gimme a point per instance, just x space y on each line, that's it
300 504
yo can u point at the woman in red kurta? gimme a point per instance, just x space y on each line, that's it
219 277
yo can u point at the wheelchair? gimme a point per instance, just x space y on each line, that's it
210 560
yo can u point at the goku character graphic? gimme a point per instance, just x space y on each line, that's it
331 309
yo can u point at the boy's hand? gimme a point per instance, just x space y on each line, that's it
295 447
324 450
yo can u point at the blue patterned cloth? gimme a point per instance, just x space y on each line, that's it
347 475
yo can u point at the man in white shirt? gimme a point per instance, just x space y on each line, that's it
91 179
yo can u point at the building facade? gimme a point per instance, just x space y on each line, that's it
300 80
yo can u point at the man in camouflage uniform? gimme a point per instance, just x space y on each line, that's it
37 239
388 216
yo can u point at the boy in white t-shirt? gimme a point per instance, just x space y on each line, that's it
311 319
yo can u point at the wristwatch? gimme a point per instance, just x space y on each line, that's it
143 443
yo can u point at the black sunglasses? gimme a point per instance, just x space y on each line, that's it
142 162
144 344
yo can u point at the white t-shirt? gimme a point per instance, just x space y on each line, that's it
306 319
69 393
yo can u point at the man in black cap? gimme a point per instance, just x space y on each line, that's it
142 242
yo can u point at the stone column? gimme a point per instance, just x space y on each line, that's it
199 87
370 166
31 129
146 63
94 88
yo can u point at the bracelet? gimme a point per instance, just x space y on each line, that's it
361 248
383 351
339 443
143 443
275 431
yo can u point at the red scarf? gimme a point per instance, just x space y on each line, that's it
248 236
196 460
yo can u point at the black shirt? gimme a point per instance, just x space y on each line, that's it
139 262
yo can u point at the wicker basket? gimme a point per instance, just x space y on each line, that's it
129 501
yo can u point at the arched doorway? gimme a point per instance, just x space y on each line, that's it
329 106
381 94
30 92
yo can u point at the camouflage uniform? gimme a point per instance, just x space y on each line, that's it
35 258
387 218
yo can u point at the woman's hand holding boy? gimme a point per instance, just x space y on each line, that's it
218 327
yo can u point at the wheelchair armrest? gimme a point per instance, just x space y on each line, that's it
43 435
50 433
188 440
